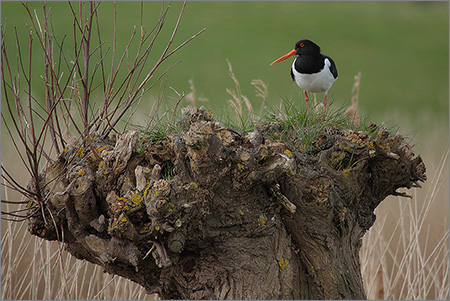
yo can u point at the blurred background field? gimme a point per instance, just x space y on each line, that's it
400 48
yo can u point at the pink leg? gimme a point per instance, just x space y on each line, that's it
307 106
306 98
325 102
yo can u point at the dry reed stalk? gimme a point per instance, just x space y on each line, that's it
262 91
238 98
192 97
352 111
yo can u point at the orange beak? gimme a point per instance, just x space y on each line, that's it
287 55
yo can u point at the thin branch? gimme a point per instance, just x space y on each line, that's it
42 44
100 43
47 62
14 202
184 43
143 59
15 144
17 186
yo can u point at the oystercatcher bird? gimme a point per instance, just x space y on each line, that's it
311 70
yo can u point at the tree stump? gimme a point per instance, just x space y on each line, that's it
209 213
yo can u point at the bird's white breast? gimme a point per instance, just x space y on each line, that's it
316 82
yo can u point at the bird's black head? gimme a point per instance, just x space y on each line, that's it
302 48
306 47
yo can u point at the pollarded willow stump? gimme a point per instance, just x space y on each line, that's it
210 214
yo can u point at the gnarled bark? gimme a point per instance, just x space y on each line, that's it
210 214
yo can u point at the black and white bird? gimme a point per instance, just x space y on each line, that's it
311 70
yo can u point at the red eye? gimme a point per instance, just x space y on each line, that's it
301 44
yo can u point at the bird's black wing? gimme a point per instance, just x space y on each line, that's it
292 75
333 68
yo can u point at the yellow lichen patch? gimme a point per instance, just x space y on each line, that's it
136 199
241 212
283 262
157 228
127 180
170 206
240 166
123 219
100 148
192 164
147 188
122 199
81 173
262 220
126 207
80 152
346 172
31 203
194 185
288 153
344 210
